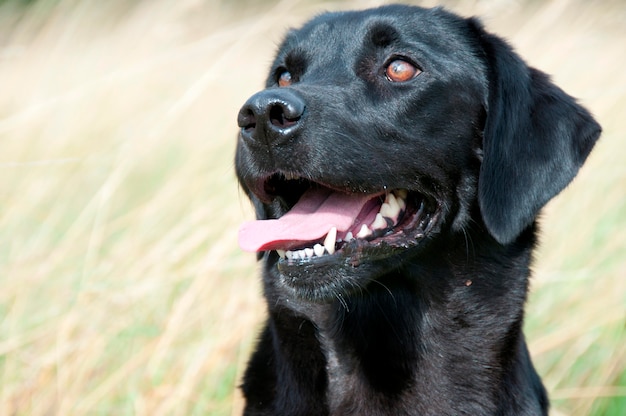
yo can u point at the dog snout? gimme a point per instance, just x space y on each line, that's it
271 115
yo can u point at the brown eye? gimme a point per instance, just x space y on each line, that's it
400 71
284 79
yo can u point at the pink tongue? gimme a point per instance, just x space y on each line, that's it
316 212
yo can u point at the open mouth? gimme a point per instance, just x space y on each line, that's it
324 223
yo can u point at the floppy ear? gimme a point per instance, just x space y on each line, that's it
536 137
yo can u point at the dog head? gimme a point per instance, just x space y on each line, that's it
382 131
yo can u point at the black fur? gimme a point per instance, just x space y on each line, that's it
426 325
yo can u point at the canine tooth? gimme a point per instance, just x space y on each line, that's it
379 223
309 252
384 209
318 249
329 241
348 237
281 253
395 207
400 197
390 209
392 201
401 203
364 232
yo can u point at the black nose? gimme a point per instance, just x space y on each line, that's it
271 115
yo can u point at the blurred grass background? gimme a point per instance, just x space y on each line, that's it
122 289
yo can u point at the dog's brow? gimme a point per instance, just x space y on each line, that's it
296 60
383 34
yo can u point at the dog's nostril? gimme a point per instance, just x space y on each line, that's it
279 119
246 119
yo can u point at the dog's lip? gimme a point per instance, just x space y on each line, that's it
270 186
404 229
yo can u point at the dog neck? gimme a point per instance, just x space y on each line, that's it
419 332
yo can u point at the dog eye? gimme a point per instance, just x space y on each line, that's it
284 79
400 70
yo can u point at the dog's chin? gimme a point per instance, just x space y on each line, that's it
354 266
328 279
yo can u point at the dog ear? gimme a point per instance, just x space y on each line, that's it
535 139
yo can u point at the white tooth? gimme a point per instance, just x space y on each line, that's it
386 210
401 203
281 253
302 254
309 252
363 232
348 237
390 209
289 254
329 241
400 199
318 249
379 223
392 201
395 206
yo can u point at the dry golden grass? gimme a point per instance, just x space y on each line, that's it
122 290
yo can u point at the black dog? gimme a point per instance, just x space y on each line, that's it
397 160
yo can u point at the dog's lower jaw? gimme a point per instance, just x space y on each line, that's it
349 271
311 284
